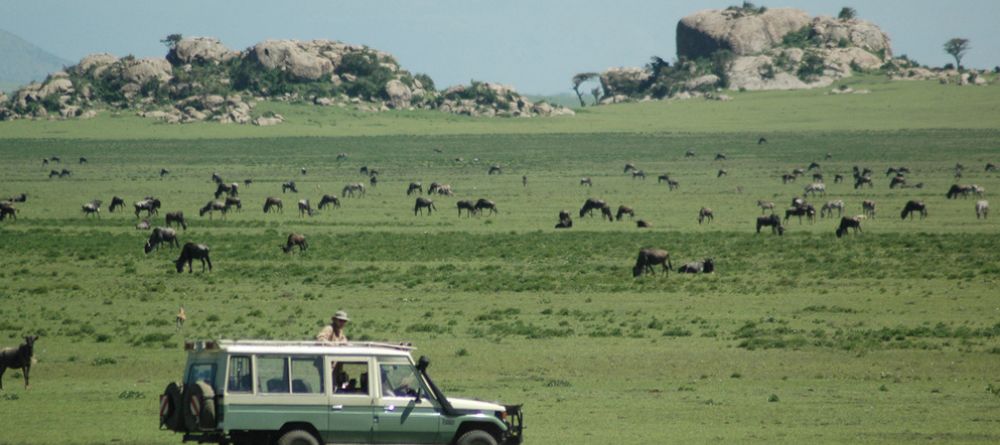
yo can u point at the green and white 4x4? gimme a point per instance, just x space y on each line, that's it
266 392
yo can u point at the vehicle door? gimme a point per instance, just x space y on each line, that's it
351 399
399 416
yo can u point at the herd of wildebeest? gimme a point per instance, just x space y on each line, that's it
226 199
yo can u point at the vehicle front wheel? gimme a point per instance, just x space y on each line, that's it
476 437
299 437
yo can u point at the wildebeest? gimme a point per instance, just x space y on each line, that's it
862 180
290 185
295 239
117 202
161 235
705 214
817 177
191 252
56 159
829 206
273 203
806 210
765 205
7 209
651 257
468 206
773 221
164 172
868 207
814 188
142 225
957 190
813 166
305 208
624 210
18 358
587 182
83 160
233 201
373 181
629 167
363 170
991 167
798 172
486 204
329 199
838 178
761 141
22 197
689 154
524 181
227 189
638 174
897 180
786 178
53 173
352 189
898 171
705 266
853 222
216 178
150 205
176 218
92 208
45 162
415 187
303 171
912 207
720 156
341 156
494 170
213 206
421 204
643 224
565 221
982 209
592 203
64 173
672 184
722 172
247 182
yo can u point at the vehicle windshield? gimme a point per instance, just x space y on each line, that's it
402 380
202 372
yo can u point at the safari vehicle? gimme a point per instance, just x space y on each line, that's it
305 393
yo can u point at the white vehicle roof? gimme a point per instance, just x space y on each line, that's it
301 347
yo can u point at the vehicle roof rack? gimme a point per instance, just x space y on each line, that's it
401 346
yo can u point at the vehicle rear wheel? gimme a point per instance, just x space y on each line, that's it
476 437
299 437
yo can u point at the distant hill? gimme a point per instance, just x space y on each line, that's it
22 62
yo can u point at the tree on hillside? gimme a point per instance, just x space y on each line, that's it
957 48
579 79
847 13
171 41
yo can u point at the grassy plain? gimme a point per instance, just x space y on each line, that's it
891 336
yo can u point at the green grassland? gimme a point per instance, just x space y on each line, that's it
889 336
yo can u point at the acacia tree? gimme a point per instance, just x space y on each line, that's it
577 81
847 13
957 48
171 40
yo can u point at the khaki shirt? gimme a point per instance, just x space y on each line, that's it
328 335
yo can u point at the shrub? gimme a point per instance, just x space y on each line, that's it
812 67
802 38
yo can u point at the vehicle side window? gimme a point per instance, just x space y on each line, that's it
307 375
350 378
202 372
399 380
240 374
272 375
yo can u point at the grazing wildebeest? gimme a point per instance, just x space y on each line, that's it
18 358
806 210
23 197
991 167
651 257
273 203
329 199
341 156
150 205
191 252
92 208
433 188
957 190
45 162
303 171
868 207
7 210
814 188
982 209
817 177
643 224
705 213
720 156
862 180
373 181
565 221
587 182
772 221
373 172
83 160
898 180
705 266
116 203
421 204
838 178
53 173
56 159
142 225
216 178
638 174
722 172
164 172
798 172
486 204
912 207
214 206
295 239
247 182
234 202
352 189
761 141
663 177
161 235
672 184
765 205
624 210
363 170
305 208
786 178
290 185
466 205
689 154
176 218
592 203
798 202
444 190
629 167
64 173
415 187
813 166
829 206
853 222
495 170
227 189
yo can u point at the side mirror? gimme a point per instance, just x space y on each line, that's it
423 363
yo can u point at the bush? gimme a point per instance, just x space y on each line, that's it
802 38
812 67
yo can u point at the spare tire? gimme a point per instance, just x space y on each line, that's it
199 407
170 404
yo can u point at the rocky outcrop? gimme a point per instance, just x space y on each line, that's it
493 99
200 50
142 70
705 32
297 58
833 32
623 81
94 64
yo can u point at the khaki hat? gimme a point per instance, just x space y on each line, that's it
341 315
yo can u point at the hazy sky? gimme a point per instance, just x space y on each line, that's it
535 45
